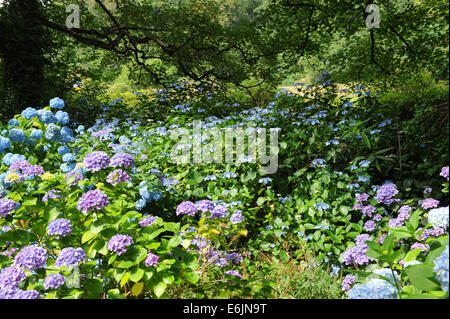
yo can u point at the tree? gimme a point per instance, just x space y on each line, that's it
22 55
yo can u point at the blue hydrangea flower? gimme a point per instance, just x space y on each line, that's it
57 103
5 144
13 122
63 150
46 117
62 117
438 217
441 269
29 113
36 134
17 135
66 134
68 158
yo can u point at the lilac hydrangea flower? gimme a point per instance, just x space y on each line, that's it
119 243
395 222
33 170
73 177
117 176
421 246
51 194
70 257
368 210
19 165
237 217
444 172
122 160
11 277
370 225
362 197
205 206
59 227
54 281
31 258
7 206
429 203
186 208
27 294
148 221
96 161
151 260
347 283
233 273
92 200
386 192
219 211
357 254
403 212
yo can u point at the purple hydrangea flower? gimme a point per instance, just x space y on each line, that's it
429 203
19 165
151 260
395 222
368 210
358 207
11 277
205 206
33 170
219 211
362 197
234 257
119 243
370 225
92 200
59 227
357 254
444 172
122 160
237 217
377 217
403 212
186 208
51 194
96 161
420 246
233 273
386 192
348 282
27 294
7 206
148 221
54 281
70 257
117 176
31 258
74 177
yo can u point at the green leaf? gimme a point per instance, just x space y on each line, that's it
125 264
159 288
87 236
421 276
192 276
125 279
172 227
137 288
174 242
137 275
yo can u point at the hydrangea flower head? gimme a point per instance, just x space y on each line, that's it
186 208
151 260
92 200
386 192
96 161
429 203
70 257
7 206
438 217
119 243
54 281
59 227
441 269
57 103
31 258
122 159
117 176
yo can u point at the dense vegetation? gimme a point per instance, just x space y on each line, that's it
103 195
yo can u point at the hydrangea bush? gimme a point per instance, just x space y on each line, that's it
103 212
